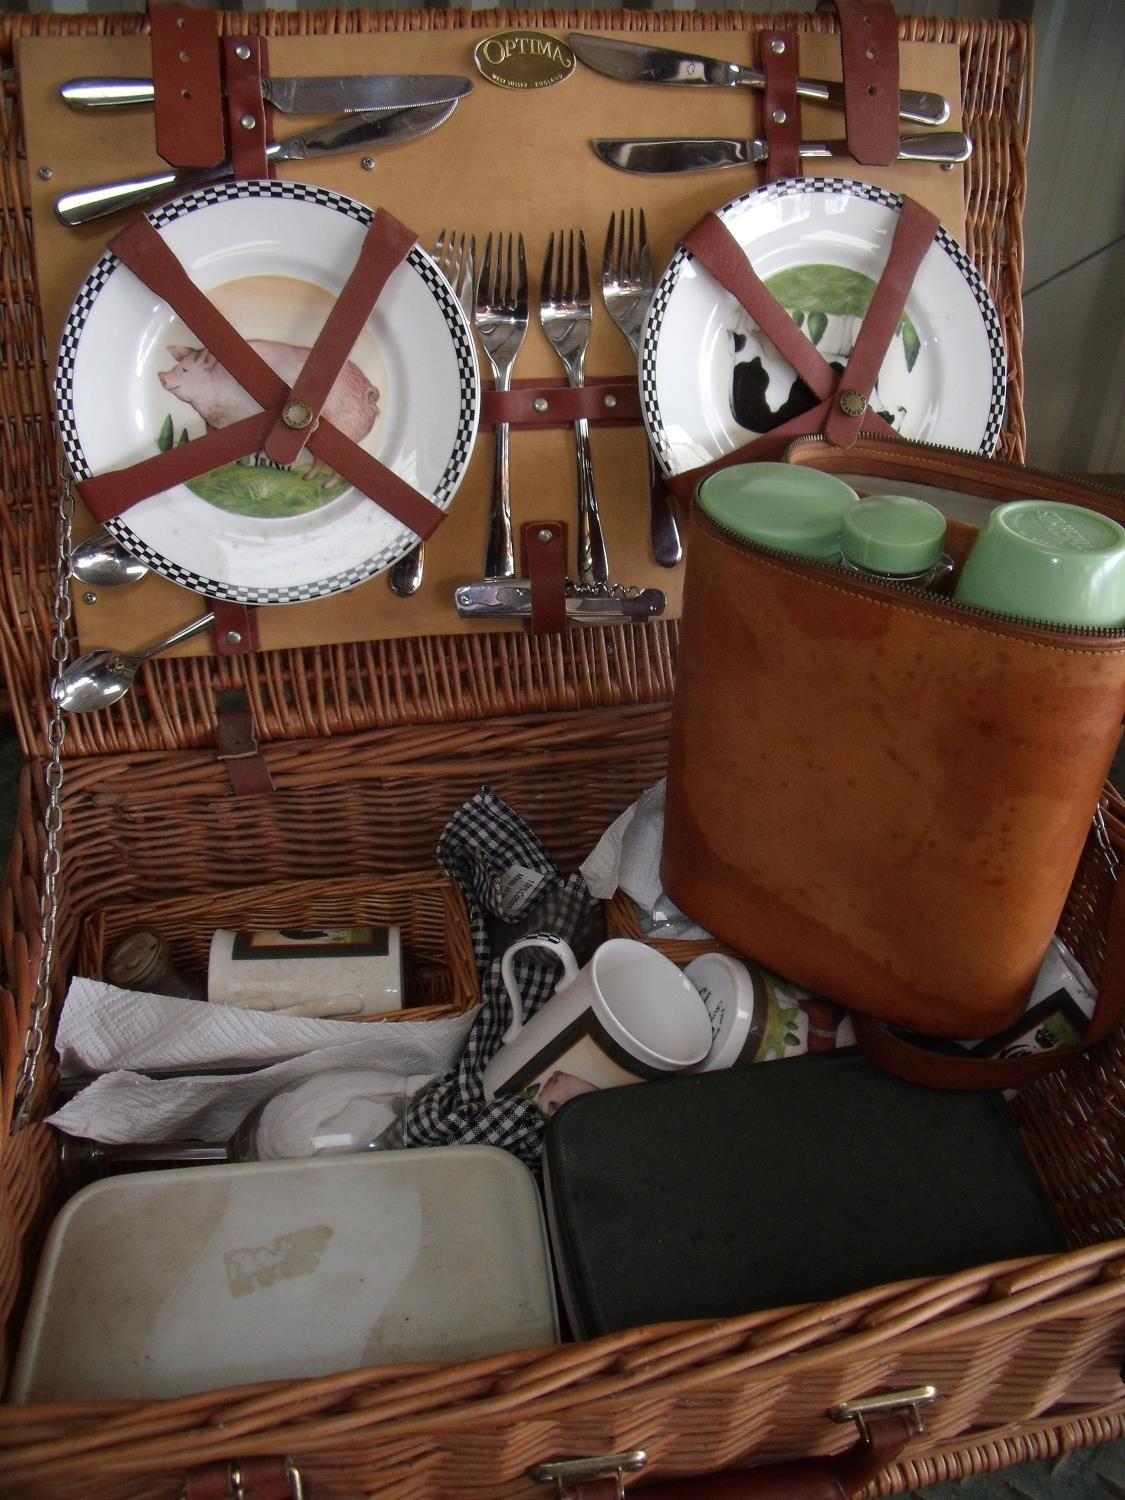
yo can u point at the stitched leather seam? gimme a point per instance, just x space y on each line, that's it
1093 649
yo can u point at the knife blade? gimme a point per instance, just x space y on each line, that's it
635 62
352 133
349 94
707 153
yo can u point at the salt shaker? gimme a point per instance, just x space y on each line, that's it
142 960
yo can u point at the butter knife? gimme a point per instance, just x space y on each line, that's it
636 62
510 598
706 153
350 94
352 133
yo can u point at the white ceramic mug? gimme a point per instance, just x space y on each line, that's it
628 1015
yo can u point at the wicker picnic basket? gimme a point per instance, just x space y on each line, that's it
370 747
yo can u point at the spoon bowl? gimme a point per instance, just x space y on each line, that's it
100 678
101 561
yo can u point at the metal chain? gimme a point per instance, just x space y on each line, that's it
36 1038
1104 843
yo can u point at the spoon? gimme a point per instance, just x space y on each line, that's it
101 560
102 677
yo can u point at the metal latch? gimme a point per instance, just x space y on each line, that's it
863 1407
563 1472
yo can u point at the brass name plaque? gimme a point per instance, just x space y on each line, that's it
523 59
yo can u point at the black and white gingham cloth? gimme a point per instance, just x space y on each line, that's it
512 889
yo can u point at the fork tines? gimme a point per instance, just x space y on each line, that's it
558 281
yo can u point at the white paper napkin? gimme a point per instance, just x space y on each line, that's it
122 1033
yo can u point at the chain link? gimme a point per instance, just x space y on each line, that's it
36 1038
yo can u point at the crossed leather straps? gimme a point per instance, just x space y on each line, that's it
291 419
842 411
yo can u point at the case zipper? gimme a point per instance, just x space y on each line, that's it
937 604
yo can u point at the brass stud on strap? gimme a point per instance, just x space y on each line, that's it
242 52
779 117
609 401
852 404
297 414
247 122
546 535
777 45
540 403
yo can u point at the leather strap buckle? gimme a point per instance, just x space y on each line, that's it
859 1410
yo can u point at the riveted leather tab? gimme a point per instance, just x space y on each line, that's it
781 107
544 553
185 74
248 119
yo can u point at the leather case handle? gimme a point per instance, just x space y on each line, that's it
838 1478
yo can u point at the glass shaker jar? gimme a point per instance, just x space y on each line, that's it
142 960
895 538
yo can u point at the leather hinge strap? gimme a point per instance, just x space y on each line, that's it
188 102
781 108
237 746
140 247
245 1479
245 60
869 53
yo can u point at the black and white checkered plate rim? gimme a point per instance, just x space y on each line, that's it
468 392
789 187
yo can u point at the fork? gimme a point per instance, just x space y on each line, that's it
627 287
566 314
501 321
455 258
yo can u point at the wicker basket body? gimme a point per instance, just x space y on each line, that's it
370 749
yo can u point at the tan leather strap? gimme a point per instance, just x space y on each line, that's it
185 73
869 52
899 1055
544 547
140 247
244 61
914 234
385 246
553 403
836 1478
781 109
237 746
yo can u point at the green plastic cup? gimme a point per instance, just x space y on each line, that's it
784 506
1044 560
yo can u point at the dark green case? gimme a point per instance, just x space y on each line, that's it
796 1181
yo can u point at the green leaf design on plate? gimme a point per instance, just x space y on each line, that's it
265 492
166 436
182 439
820 291
818 324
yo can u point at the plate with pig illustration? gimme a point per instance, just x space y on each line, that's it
711 381
134 381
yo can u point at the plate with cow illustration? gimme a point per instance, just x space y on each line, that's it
134 381
711 381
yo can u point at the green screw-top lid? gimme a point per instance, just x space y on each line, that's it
893 534
779 505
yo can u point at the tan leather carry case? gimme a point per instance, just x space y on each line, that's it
881 793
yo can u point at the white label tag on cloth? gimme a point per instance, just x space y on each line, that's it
518 887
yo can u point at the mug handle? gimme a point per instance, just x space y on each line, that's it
556 945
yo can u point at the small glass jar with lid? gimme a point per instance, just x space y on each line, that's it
782 506
897 539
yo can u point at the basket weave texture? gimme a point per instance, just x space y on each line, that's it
371 748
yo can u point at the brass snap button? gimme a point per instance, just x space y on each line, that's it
852 404
296 414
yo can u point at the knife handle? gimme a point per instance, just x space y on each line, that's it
921 108
106 93
946 146
113 197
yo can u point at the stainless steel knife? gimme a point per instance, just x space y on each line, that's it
350 94
706 153
510 598
352 133
636 62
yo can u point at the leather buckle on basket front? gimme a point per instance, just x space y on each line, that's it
565 1472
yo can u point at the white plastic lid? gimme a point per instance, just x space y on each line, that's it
730 991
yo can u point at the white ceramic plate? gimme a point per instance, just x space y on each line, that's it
711 382
272 256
